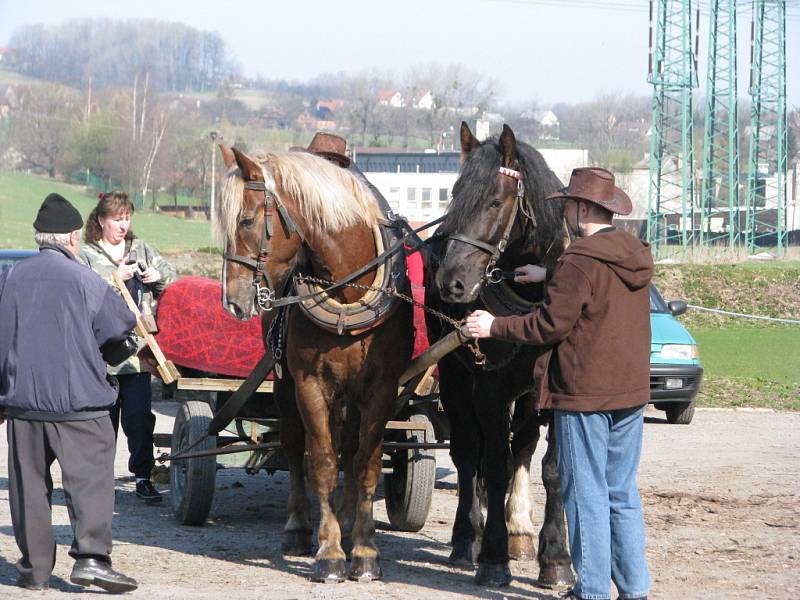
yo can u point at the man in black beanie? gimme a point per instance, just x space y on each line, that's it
58 322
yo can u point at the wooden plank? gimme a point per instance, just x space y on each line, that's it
210 384
406 425
425 385
168 372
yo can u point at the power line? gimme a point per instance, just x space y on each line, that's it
622 6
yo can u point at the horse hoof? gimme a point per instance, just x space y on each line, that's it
520 547
296 543
493 575
556 576
364 569
328 570
461 555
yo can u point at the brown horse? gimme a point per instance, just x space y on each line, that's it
297 213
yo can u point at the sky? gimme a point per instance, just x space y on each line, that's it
545 51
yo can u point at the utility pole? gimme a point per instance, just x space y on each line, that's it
766 176
214 136
721 208
673 73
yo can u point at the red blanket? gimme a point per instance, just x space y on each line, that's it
195 331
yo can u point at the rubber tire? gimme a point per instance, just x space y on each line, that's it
679 413
409 488
192 481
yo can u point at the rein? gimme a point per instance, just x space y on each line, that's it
491 274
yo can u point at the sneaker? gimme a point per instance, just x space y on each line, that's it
146 491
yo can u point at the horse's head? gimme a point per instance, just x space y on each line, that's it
251 233
498 202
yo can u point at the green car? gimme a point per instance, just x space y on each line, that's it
675 370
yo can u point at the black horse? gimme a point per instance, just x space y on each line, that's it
497 220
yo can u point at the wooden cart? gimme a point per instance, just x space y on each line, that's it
251 439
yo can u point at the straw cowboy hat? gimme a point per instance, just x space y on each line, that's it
331 147
594 184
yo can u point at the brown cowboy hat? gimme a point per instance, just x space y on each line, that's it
331 147
594 184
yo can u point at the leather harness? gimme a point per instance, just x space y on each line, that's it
315 301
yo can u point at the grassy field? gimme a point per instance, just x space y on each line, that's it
750 366
21 195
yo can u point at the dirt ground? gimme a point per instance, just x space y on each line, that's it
720 496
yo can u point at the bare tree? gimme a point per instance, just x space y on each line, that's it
40 124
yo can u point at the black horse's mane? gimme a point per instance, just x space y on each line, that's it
476 183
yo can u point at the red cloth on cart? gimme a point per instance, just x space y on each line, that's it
195 331
415 268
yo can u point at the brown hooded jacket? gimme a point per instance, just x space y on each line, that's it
596 321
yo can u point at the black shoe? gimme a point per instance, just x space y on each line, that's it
88 571
148 493
27 582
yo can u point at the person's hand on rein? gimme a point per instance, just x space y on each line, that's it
530 274
479 324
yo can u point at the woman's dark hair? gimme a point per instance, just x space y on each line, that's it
110 205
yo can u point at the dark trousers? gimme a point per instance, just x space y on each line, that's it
133 407
85 452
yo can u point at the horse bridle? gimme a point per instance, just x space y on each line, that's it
264 295
492 274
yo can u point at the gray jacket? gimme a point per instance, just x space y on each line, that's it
55 315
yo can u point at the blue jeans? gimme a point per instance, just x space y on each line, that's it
138 421
598 456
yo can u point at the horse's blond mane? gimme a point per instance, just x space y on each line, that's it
328 197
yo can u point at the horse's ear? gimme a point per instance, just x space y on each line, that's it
227 156
250 170
468 141
509 145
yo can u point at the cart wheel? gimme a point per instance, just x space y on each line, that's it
192 480
409 487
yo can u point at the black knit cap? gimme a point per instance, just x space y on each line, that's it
57 215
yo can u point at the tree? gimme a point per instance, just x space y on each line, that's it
111 52
40 124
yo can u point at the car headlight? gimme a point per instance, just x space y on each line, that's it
681 351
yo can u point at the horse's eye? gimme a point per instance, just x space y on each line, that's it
246 222
496 203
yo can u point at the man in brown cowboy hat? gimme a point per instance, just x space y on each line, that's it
330 146
595 323
334 148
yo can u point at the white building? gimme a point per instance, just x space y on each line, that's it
418 185
423 100
391 98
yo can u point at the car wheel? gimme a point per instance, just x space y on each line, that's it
679 413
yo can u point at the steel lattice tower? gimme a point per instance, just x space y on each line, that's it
766 177
673 73
721 208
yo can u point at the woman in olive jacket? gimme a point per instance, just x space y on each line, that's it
111 246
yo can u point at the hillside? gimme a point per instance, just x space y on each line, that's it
21 195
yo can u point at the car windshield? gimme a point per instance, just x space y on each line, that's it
657 304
